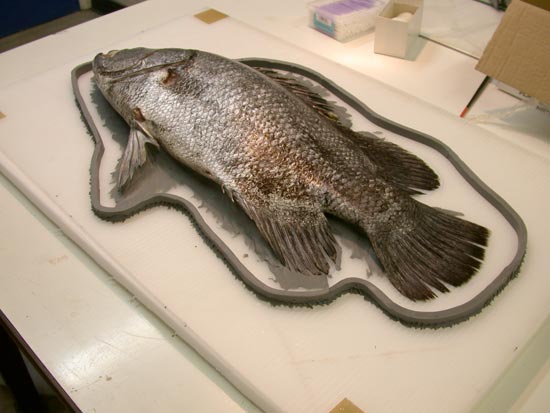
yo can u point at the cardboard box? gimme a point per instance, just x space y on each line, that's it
395 36
518 54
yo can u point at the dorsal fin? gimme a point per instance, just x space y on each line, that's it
402 168
306 94
399 166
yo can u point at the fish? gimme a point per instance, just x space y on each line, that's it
279 151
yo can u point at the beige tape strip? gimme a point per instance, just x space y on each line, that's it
210 16
346 406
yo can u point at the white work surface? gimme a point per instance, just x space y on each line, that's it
110 354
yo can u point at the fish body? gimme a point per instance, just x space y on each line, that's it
281 154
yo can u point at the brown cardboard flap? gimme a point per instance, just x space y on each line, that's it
519 51
543 4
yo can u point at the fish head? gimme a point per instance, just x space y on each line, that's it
119 74
118 63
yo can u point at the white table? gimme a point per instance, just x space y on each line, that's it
110 353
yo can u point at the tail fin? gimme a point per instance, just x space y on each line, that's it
438 249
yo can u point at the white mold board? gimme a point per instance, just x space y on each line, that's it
284 359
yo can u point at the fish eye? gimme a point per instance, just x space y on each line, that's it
170 77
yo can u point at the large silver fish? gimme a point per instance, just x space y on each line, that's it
281 154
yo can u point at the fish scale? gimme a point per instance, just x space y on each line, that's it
279 151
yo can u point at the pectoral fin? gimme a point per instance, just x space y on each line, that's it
135 154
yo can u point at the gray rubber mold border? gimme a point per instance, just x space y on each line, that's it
368 290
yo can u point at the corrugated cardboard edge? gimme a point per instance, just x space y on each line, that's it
518 54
